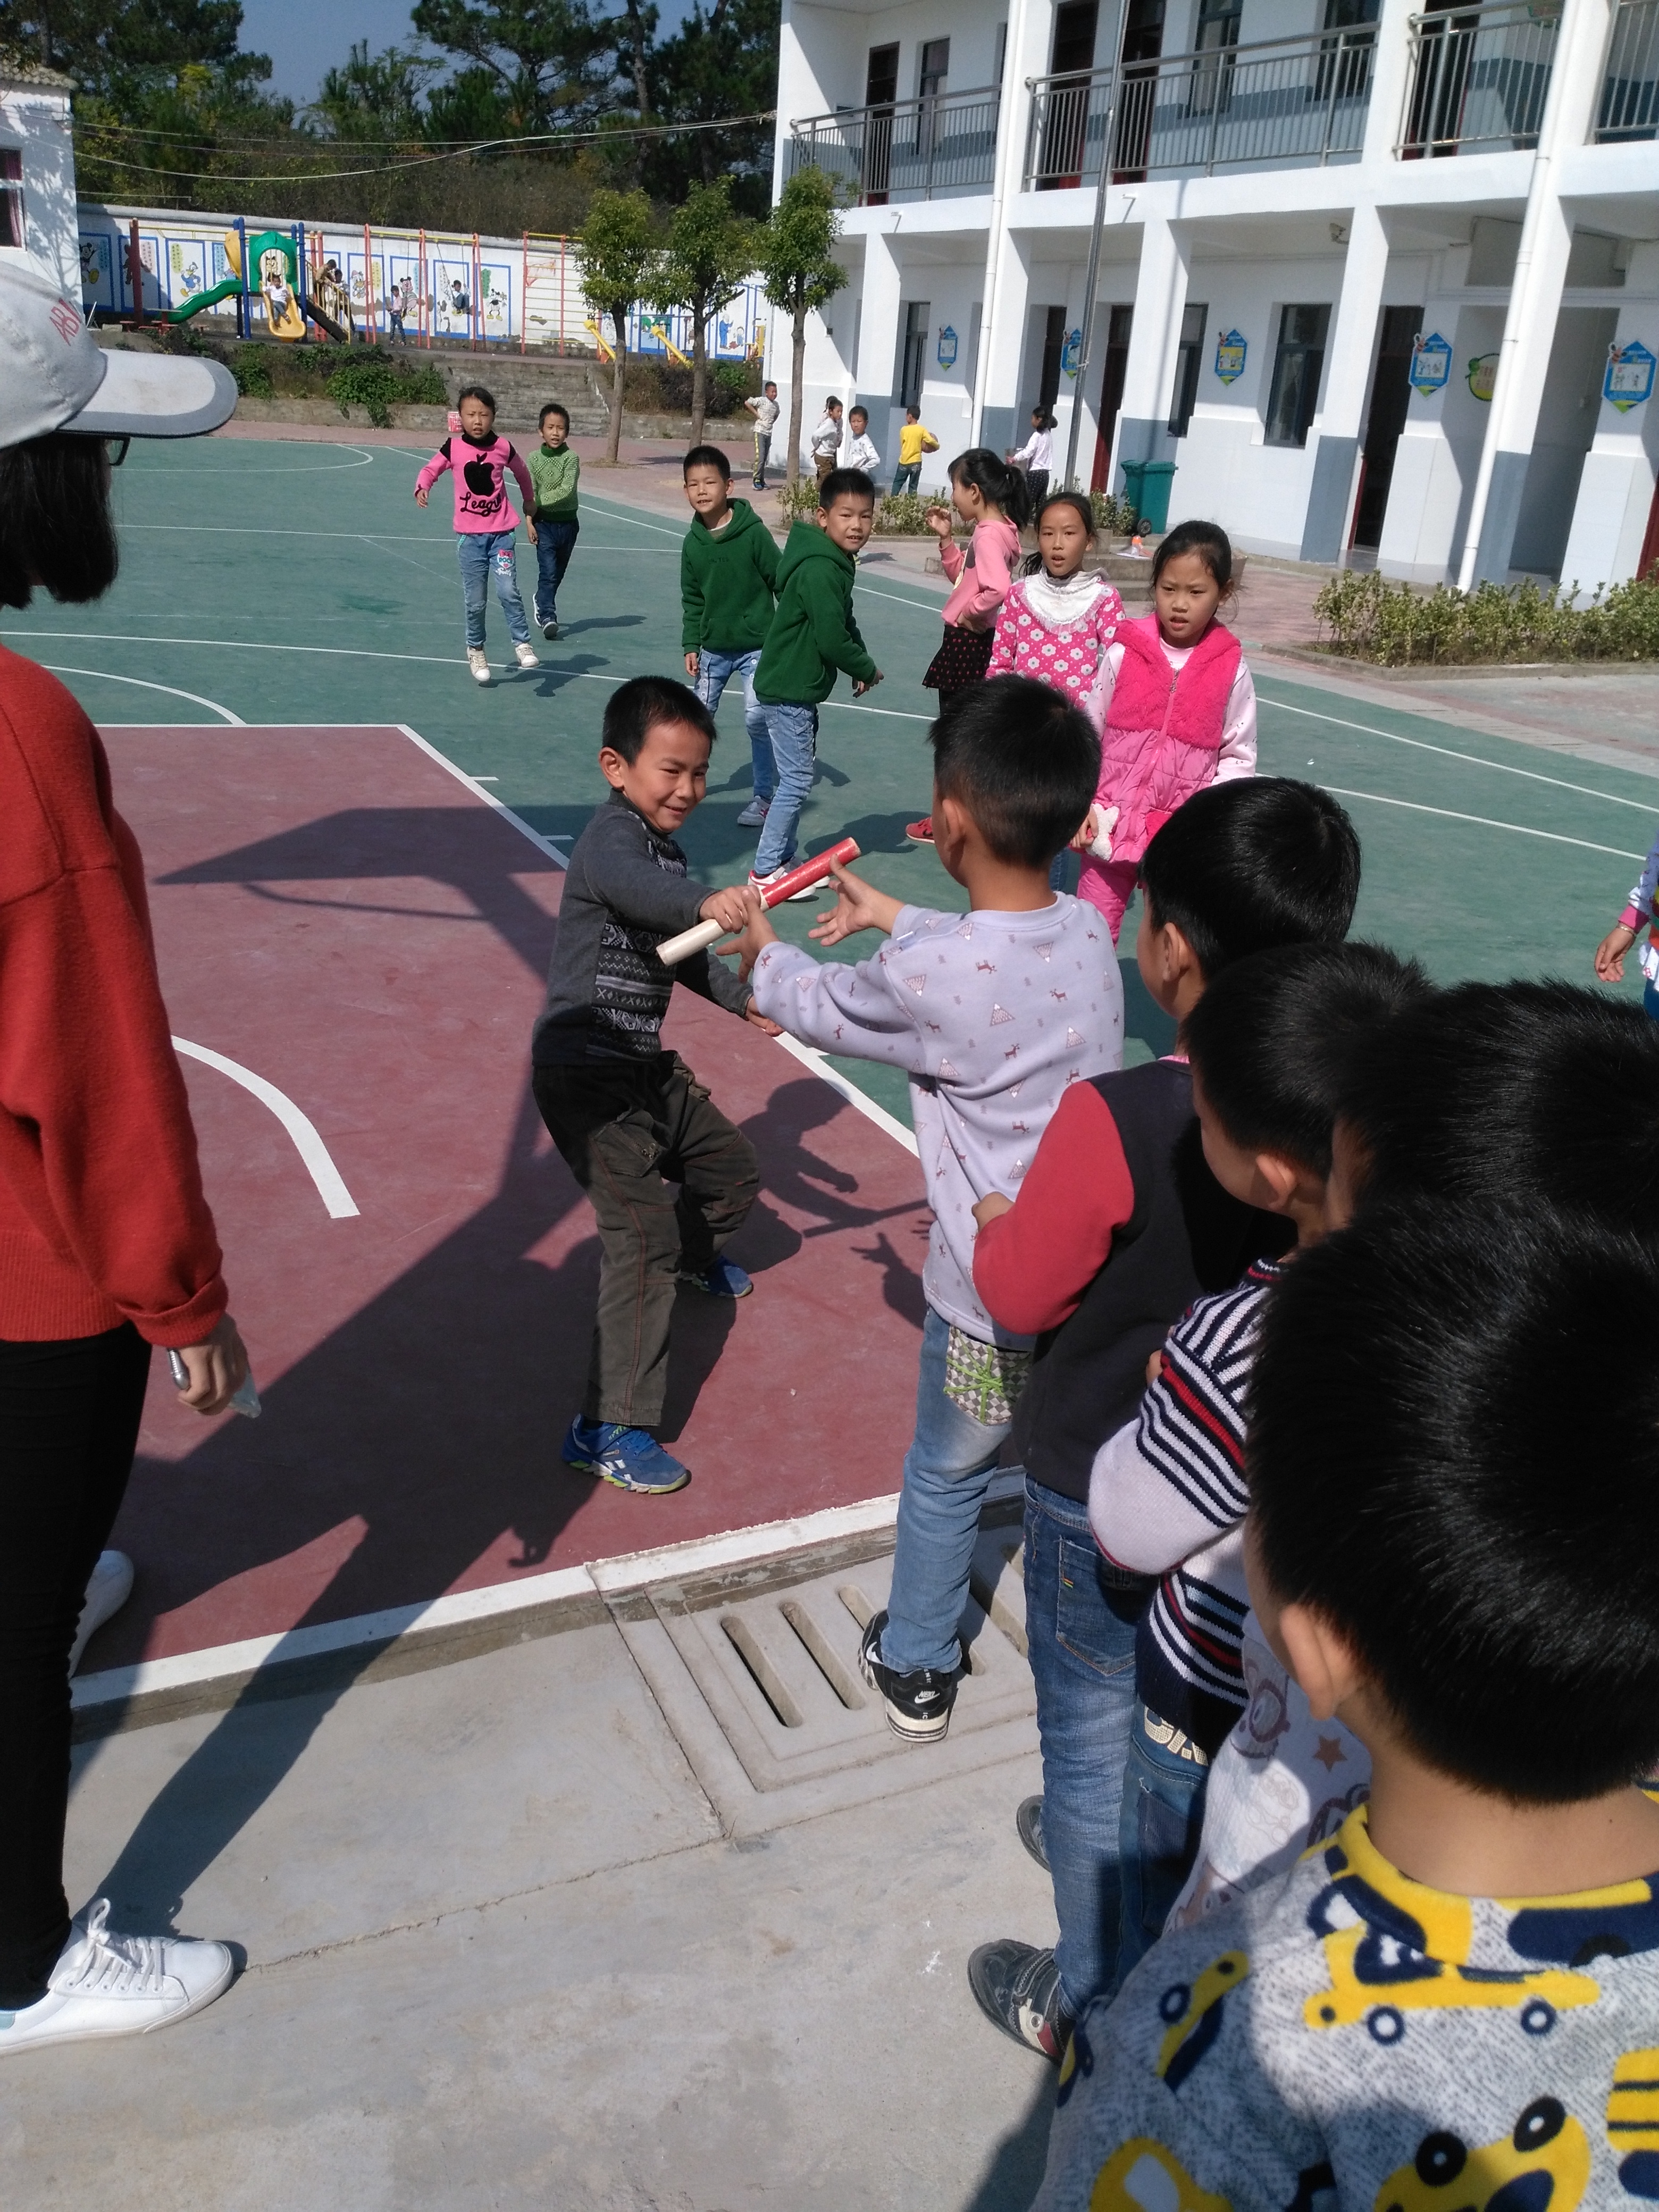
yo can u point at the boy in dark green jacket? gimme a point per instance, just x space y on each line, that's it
812 637
728 568
554 469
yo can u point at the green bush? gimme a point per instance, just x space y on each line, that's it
800 502
380 384
1368 617
1113 515
252 374
905 514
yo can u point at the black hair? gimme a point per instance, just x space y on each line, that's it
1446 1464
1023 762
1208 540
768 385
1044 419
706 457
1079 504
477 392
635 710
852 412
1260 861
1271 1039
56 527
845 483
911 408
996 481
553 407
832 401
1497 1091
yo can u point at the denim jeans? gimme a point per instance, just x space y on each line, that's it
947 1472
481 552
907 478
794 731
1161 1819
714 671
1651 1001
1080 1620
555 543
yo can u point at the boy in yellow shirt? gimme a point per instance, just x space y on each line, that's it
914 439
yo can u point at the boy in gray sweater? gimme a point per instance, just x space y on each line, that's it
628 1117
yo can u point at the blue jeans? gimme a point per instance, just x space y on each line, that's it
555 543
1160 1821
1080 1620
481 552
906 479
714 671
947 1472
794 731
1651 1000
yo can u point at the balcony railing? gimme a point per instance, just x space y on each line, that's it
1296 101
1478 77
906 149
1629 90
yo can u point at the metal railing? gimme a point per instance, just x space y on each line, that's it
1478 77
1295 101
1629 90
905 149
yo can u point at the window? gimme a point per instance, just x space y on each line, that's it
880 91
11 196
1076 22
1053 348
932 67
1188 361
917 316
1001 53
881 79
1297 367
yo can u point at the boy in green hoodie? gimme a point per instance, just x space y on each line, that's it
553 470
728 571
812 637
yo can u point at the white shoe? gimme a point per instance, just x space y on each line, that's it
110 1587
105 1984
763 884
476 661
526 656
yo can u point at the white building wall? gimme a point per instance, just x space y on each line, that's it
35 119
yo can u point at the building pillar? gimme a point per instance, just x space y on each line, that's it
1616 490
1007 285
1143 421
875 373
1347 376
1002 351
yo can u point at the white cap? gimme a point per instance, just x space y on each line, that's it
54 375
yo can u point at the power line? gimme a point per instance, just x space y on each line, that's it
450 145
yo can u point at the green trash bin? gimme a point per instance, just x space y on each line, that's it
1146 486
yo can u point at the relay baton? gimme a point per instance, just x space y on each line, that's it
673 950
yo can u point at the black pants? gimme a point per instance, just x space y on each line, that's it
626 1133
69 1426
1036 489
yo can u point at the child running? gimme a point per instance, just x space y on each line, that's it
728 571
554 469
989 496
1176 711
484 523
992 1014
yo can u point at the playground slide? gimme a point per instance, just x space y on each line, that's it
328 324
197 301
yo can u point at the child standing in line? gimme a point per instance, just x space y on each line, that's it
555 471
825 441
484 523
728 572
915 439
992 1014
990 498
765 412
1057 621
1036 456
1176 708
860 451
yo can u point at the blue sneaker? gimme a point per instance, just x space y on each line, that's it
630 1459
724 1279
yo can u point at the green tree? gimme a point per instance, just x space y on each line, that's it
550 63
722 61
796 259
709 251
376 97
618 251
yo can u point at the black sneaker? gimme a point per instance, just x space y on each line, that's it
1028 1823
918 1703
1016 1987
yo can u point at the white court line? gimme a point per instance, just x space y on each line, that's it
349 536
496 806
312 468
1413 806
331 1184
927 606
172 689
1476 760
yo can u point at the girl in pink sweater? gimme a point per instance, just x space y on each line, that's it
1175 708
485 523
1057 622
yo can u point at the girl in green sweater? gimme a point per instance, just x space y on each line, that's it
553 470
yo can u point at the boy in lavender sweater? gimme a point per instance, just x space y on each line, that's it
991 1013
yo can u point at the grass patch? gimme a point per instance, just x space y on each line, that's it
1367 617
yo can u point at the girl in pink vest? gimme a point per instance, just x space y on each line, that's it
1176 709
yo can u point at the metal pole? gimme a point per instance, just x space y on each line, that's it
1085 343
421 301
523 298
368 288
244 310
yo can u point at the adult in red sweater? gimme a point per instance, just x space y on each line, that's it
107 1245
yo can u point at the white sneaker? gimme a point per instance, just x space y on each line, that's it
761 884
110 1587
526 656
105 1984
476 661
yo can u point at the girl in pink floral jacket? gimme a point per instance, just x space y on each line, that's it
1056 622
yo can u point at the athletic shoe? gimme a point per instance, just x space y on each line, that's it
918 1705
549 628
921 833
1016 1987
724 1279
479 664
754 814
108 1985
110 1587
1028 1824
630 1459
525 655
763 884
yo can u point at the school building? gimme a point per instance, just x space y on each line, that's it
1379 283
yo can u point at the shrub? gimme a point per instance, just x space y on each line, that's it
1114 514
252 374
799 503
1369 617
380 384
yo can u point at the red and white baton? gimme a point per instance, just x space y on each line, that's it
673 950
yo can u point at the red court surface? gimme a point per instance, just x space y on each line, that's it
339 913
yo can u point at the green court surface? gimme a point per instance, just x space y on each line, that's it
299 583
